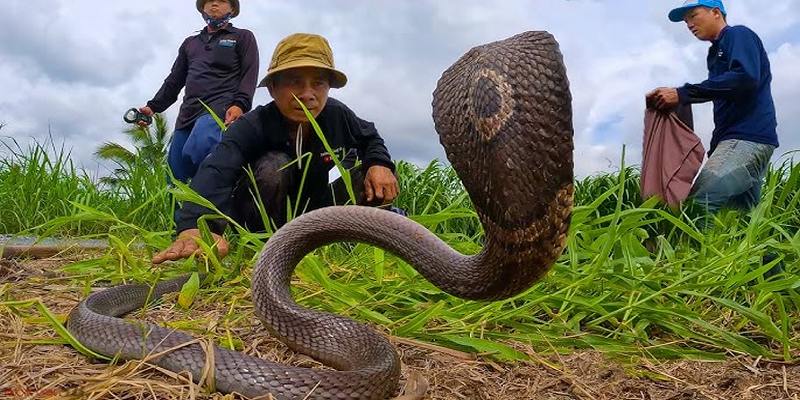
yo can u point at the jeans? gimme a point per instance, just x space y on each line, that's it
189 147
733 175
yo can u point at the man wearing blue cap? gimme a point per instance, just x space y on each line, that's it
738 83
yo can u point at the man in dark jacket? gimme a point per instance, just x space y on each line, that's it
738 83
219 66
278 143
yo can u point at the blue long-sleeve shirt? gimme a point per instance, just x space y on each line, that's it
738 83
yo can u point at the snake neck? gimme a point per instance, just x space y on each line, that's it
510 261
520 256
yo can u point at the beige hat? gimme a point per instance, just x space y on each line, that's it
234 4
304 50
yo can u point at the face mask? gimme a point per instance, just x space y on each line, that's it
217 23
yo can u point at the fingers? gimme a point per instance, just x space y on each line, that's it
231 118
390 191
233 113
379 192
222 245
663 98
181 248
655 94
395 190
368 190
385 192
665 101
658 99
186 245
146 111
160 257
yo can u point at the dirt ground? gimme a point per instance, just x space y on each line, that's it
30 369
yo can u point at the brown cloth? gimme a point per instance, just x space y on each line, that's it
672 155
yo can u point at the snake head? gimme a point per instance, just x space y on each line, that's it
504 116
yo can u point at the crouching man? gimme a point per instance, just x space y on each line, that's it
278 143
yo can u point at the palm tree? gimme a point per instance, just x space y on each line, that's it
150 145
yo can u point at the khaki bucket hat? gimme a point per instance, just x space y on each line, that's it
234 5
304 50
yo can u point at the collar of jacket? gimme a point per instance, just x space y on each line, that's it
721 35
227 28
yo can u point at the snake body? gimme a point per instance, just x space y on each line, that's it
503 114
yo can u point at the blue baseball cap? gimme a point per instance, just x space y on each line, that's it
677 14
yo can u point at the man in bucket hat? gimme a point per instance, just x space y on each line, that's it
219 66
278 143
738 84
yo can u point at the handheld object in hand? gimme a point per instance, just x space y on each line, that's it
135 116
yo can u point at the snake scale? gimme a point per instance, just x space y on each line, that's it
504 116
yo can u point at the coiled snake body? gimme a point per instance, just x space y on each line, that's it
503 113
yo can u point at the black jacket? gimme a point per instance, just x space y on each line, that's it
221 69
265 129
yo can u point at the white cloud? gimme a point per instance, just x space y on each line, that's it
75 76
786 89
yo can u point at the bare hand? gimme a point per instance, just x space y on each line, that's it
233 113
146 111
186 245
380 185
663 98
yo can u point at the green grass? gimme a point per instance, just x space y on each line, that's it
39 183
698 294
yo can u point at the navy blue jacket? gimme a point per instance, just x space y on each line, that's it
220 68
738 83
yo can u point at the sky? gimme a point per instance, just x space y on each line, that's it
70 69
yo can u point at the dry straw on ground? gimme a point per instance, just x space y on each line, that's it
32 368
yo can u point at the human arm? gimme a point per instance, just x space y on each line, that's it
171 88
214 181
743 51
380 183
248 77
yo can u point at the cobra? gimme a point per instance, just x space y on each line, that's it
503 114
